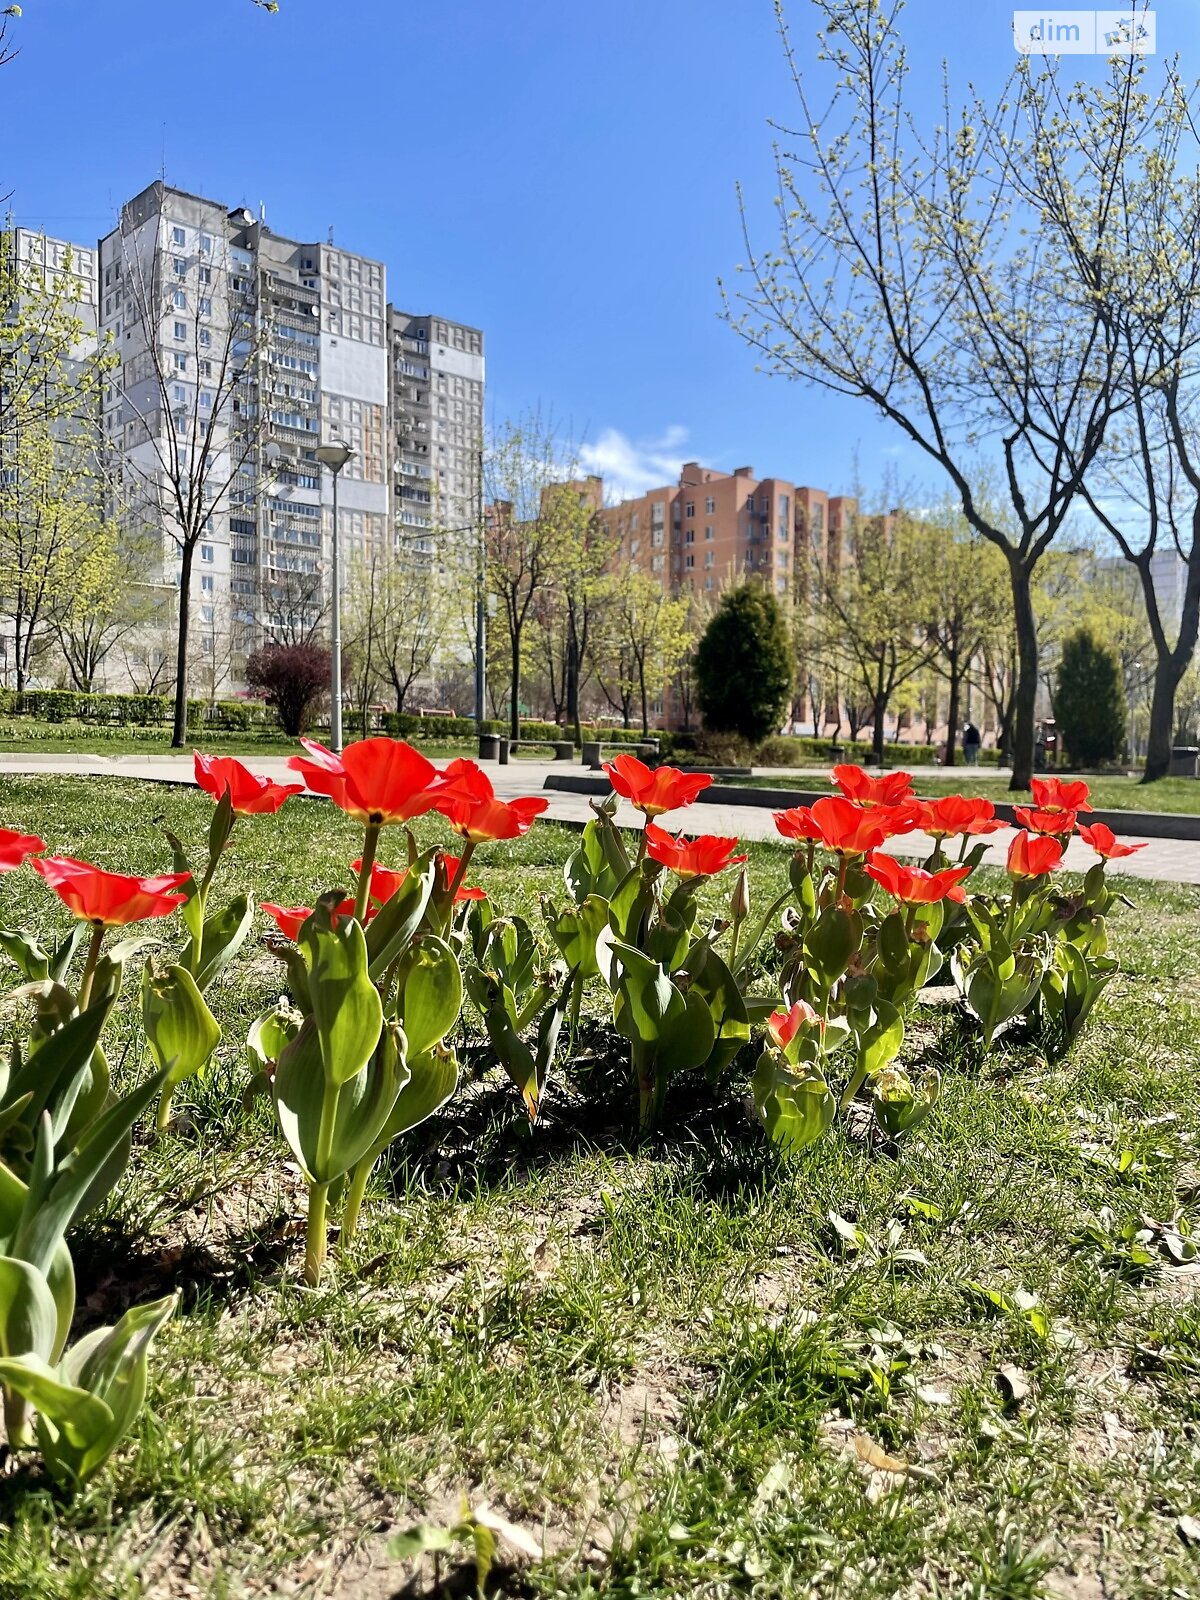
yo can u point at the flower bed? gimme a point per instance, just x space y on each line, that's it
358 1051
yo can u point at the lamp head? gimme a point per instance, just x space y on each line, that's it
334 455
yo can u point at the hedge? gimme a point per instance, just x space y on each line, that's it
130 710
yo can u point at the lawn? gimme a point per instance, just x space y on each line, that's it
672 1363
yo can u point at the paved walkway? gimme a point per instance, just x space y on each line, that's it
1167 860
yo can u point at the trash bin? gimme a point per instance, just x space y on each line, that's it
489 746
1185 761
591 754
564 750
502 750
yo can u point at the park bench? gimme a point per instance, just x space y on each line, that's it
594 750
497 747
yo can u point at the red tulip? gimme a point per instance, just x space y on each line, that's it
384 880
798 823
248 793
447 869
954 814
1032 855
658 790
15 847
848 828
290 919
913 886
1053 822
110 899
468 802
376 780
1052 794
865 790
783 1026
1104 842
691 858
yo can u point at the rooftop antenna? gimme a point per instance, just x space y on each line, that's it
329 240
262 211
162 166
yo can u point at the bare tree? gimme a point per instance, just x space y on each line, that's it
196 406
909 272
126 601
400 597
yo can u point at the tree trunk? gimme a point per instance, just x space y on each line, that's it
573 680
514 705
1025 698
1167 674
952 715
179 731
645 702
879 711
1169 668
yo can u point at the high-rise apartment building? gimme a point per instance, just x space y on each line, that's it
63 267
436 428
240 349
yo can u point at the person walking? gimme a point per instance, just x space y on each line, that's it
972 739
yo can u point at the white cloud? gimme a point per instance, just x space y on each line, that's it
630 467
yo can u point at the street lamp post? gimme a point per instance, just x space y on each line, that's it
335 455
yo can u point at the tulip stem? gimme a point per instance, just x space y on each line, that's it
162 1117
457 880
354 1199
16 1420
733 944
370 846
315 1241
89 966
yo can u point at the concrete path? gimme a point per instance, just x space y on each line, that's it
1168 860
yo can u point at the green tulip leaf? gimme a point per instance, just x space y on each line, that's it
346 1009
181 1031
432 995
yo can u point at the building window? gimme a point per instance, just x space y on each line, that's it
181 330
180 361
710 532
205 306
690 536
708 582
205 337
206 583
709 558
180 392
180 268
205 274
689 561
180 300
205 245
206 552
710 505
205 401
689 509
781 585
178 236
206 613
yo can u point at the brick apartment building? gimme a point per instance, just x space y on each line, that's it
714 528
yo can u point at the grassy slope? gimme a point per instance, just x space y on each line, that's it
658 1354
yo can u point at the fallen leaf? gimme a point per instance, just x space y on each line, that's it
934 1397
1014 1382
1189 1530
521 1540
870 1454
545 1258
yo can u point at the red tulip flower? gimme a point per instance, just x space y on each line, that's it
290 919
1054 822
384 880
376 780
865 790
850 829
783 1026
798 823
248 793
1032 855
468 802
654 791
447 871
953 815
1052 794
1104 842
16 847
913 886
110 899
691 858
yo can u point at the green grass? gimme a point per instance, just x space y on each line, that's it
659 1355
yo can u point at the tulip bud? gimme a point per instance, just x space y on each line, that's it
739 900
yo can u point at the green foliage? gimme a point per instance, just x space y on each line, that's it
1089 704
743 666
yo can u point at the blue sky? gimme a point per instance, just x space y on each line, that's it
559 172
